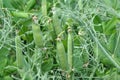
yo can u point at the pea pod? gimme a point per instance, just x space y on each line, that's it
70 48
61 54
70 53
19 55
20 14
56 23
37 35
80 3
1 3
44 7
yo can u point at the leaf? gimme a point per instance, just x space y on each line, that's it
111 3
80 3
112 76
7 78
117 46
99 54
47 65
111 43
77 61
7 4
18 4
3 58
80 59
23 30
4 52
98 21
3 63
110 26
9 70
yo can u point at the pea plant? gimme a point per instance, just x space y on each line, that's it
59 40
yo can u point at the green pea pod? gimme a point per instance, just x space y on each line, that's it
61 55
56 23
37 35
44 7
20 14
20 60
19 55
70 53
80 3
70 49
1 3
29 4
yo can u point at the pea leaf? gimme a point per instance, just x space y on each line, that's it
47 65
3 59
110 26
112 42
117 46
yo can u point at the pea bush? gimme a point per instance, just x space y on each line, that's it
59 39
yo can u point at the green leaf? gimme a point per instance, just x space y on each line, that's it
47 65
98 21
111 3
4 52
117 45
7 78
112 76
18 4
29 5
111 43
3 58
110 26
80 58
3 62
7 4
99 54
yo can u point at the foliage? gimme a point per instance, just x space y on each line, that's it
59 39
